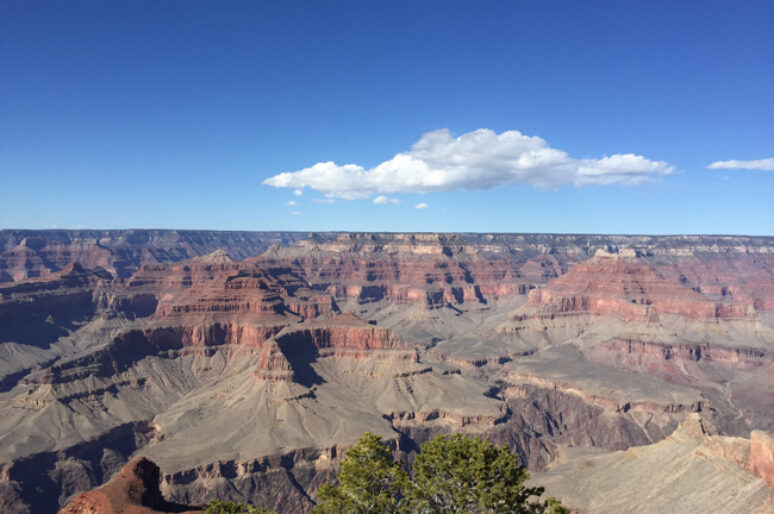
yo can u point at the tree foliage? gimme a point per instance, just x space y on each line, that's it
466 474
451 474
219 507
370 481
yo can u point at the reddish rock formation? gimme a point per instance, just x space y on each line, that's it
24 262
431 270
217 286
762 456
741 276
628 287
345 335
346 331
134 490
213 300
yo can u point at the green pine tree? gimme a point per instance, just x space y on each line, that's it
370 481
451 474
468 474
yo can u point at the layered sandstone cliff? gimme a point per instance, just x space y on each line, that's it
628 287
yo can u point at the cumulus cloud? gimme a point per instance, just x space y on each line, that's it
481 159
324 200
385 200
291 202
422 205
298 192
760 164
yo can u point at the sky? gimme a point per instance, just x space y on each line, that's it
498 116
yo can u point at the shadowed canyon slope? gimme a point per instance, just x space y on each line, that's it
244 364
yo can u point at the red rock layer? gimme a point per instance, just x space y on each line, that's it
345 335
213 301
36 258
431 270
609 284
216 286
346 331
274 364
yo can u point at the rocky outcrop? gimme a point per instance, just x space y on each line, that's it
285 482
288 355
134 490
46 481
761 461
522 384
344 332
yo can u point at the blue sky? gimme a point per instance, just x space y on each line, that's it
173 114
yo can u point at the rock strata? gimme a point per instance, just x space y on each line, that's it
243 363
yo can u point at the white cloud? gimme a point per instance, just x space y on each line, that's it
296 213
290 202
298 192
324 200
422 205
386 200
481 159
760 164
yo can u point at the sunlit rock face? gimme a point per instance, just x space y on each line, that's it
762 456
613 284
134 489
244 364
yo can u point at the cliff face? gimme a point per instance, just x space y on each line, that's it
39 253
628 287
761 461
641 350
244 363
37 312
628 311
430 271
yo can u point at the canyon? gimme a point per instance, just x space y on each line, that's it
628 372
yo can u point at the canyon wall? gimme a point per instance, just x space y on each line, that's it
244 364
